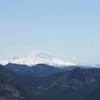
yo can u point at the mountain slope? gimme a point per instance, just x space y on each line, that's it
38 57
75 84
8 89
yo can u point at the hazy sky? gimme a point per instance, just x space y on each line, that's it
69 29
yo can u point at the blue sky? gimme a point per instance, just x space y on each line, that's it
69 29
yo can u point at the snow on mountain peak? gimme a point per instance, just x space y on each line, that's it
38 57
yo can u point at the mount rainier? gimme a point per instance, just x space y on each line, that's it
38 57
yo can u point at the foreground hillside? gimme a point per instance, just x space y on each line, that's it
75 84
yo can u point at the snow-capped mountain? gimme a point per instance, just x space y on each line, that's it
38 57
4 62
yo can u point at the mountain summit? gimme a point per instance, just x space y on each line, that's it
38 57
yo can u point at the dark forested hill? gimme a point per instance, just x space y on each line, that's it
75 84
